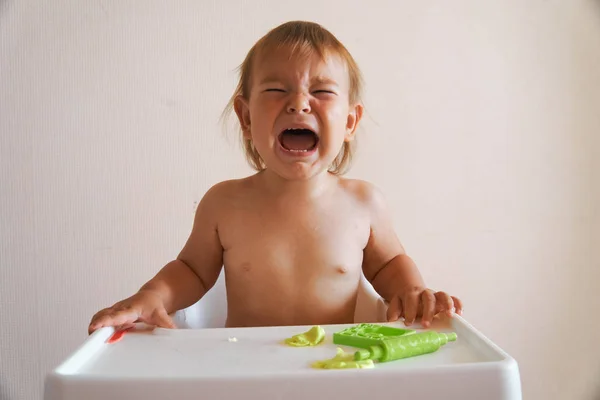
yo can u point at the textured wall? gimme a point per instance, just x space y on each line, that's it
485 114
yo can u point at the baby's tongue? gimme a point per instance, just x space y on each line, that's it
298 140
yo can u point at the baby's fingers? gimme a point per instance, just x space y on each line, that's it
98 320
444 303
113 318
161 318
394 310
428 299
458 305
411 307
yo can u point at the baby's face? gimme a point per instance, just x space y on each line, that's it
298 113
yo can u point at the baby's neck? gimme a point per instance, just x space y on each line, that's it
307 188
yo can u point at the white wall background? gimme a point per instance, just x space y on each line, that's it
486 115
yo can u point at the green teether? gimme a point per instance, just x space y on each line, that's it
405 346
366 335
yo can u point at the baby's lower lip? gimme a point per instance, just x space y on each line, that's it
298 153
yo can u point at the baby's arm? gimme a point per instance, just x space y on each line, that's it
181 282
393 273
196 269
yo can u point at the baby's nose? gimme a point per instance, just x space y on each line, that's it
299 104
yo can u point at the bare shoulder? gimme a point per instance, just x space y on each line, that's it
366 194
229 189
223 195
383 243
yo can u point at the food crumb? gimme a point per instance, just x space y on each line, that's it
232 339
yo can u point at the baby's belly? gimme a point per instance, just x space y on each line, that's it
264 297
285 312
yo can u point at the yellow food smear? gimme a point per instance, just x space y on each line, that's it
312 337
343 360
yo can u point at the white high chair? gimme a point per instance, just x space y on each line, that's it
211 310
204 361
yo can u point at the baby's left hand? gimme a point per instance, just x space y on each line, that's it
423 303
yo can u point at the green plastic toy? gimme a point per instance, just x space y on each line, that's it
405 346
364 336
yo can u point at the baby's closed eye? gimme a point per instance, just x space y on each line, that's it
324 92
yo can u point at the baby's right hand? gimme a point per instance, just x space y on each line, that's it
144 306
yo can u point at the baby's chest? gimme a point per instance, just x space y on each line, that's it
324 237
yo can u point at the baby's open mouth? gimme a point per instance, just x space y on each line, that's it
298 140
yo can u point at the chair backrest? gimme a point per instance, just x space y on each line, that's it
211 310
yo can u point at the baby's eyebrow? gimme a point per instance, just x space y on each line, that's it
324 80
317 79
269 80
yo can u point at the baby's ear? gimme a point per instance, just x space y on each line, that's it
354 117
240 105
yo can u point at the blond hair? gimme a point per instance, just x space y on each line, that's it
303 38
